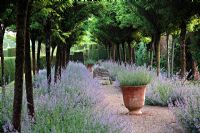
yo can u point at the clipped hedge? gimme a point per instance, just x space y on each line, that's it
11 52
5 52
9 69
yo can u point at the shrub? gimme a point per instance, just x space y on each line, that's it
70 105
134 78
159 92
89 61
188 112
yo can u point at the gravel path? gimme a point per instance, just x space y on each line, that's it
153 120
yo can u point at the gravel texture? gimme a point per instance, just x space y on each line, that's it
153 120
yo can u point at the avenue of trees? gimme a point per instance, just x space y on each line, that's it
116 24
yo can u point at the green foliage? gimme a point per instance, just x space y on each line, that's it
11 52
89 61
9 67
141 54
96 52
135 78
5 53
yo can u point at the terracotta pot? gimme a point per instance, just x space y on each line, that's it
89 67
134 98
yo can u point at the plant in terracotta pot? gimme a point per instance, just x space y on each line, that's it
133 85
89 63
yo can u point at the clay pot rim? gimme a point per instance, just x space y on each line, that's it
124 86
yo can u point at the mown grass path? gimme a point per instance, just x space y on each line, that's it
153 120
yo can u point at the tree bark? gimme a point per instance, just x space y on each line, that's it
124 51
119 54
107 50
114 52
28 75
33 53
182 49
22 6
195 70
52 52
168 61
57 64
38 53
130 54
110 53
48 45
2 32
157 44
172 56
68 53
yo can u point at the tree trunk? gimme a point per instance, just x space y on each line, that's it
195 70
22 6
38 54
2 32
64 56
157 44
114 52
124 51
172 56
68 53
33 53
182 49
110 53
168 61
118 53
52 52
130 54
48 45
57 64
107 50
28 75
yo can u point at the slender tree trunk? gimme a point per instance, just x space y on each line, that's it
48 45
2 32
195 70
124 51
60 62
182 49
33 53
110 53
22 6
107 50
133 54
118 53
68 53
172 56
130 54
57 64
28 75
168 61
157 44
38 53
64 56
114 52
52 52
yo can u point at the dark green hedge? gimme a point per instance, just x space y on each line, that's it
9 65
11 52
